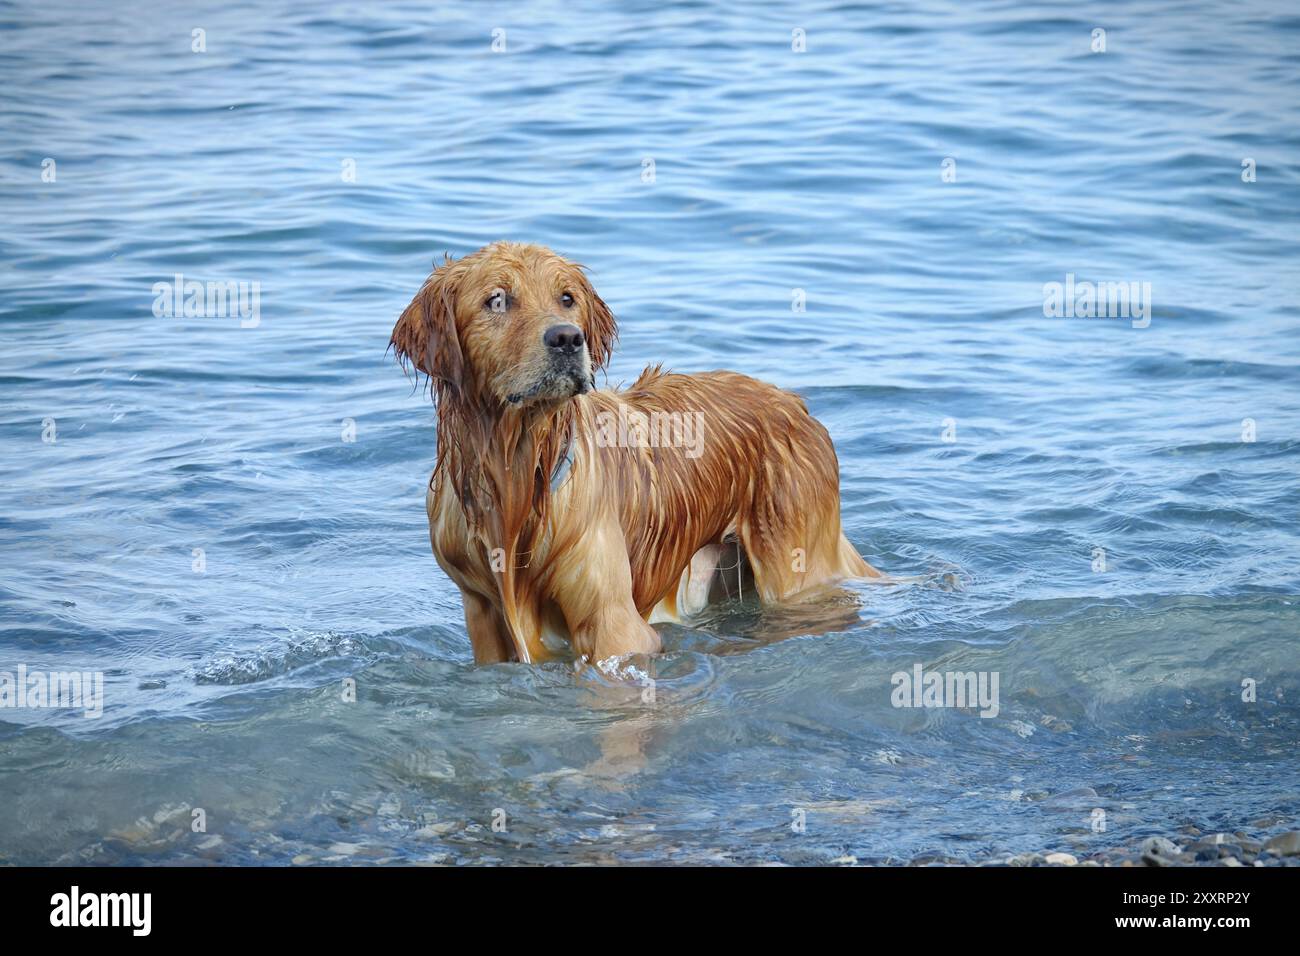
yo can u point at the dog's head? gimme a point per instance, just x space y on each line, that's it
512 323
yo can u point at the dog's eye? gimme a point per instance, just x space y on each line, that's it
498 301
566 300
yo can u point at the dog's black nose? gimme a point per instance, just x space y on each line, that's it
563 338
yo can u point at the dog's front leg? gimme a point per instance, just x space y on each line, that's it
614 631
593 588
487 629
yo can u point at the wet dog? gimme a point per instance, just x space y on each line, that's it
567 513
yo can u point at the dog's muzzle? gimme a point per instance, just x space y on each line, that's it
569 372
567 347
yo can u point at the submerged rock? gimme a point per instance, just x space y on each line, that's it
1159 846
1285 844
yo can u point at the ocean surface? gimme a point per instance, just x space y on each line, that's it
222 514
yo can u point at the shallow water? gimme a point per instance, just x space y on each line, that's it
1120 689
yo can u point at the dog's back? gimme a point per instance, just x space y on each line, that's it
699 459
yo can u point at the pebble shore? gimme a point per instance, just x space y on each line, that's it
1188 847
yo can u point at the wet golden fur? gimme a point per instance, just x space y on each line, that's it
612 546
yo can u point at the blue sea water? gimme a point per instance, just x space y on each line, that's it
225 517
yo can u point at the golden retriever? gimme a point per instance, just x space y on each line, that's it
563 512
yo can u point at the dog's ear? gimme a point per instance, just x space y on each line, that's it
603 330
425 333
